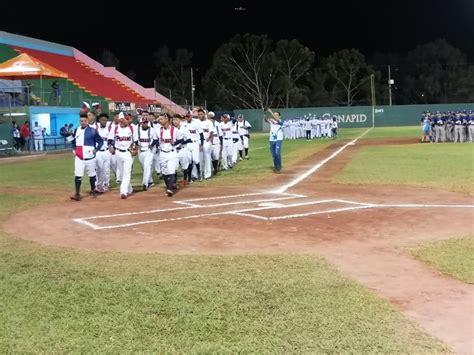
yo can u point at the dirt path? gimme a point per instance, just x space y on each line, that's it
367 243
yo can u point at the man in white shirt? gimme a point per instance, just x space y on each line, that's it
276 138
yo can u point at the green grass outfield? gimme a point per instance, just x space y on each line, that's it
60 300
56 171
453 257
440 166
63 300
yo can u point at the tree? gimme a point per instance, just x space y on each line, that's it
174 72
295 61
350 72
435 72
243 72
109 59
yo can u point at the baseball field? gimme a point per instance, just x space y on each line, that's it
362 244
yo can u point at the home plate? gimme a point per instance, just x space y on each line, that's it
269 204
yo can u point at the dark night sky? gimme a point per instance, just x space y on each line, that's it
134 31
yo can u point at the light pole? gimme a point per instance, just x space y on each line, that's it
390 83
192 89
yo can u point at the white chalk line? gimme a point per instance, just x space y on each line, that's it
23 157
318 166
246 212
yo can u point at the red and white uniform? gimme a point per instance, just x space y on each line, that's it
145 139
124 138
168 154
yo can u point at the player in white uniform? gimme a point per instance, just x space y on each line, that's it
208 132
103 127
227 141
122 140
237 143
184 154
216 143
85 142
113 157
147 139
38 137
169 137
195 133
244 127
156 152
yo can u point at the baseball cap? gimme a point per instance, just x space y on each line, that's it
240 115
211 114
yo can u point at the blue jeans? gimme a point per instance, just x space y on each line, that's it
275 149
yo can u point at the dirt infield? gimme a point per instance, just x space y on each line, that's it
360 229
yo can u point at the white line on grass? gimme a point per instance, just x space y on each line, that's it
317 166
23 157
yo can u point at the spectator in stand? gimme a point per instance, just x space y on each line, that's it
56 93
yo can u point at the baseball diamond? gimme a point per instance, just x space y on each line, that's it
301 211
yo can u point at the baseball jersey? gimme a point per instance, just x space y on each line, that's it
207 128
103 132
123 137
167 137
217 133
243 127
37 132
146 137
226 129
195 129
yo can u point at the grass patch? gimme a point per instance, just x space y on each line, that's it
453 257
395 132
440 166
57 300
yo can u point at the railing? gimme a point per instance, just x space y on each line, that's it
27 96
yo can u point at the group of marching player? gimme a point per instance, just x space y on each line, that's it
196 144
310 128
451 126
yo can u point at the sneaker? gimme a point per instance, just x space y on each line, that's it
145 187
76 197
246 157
240 158
123 196
93 194
169 193
118 182
151 184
